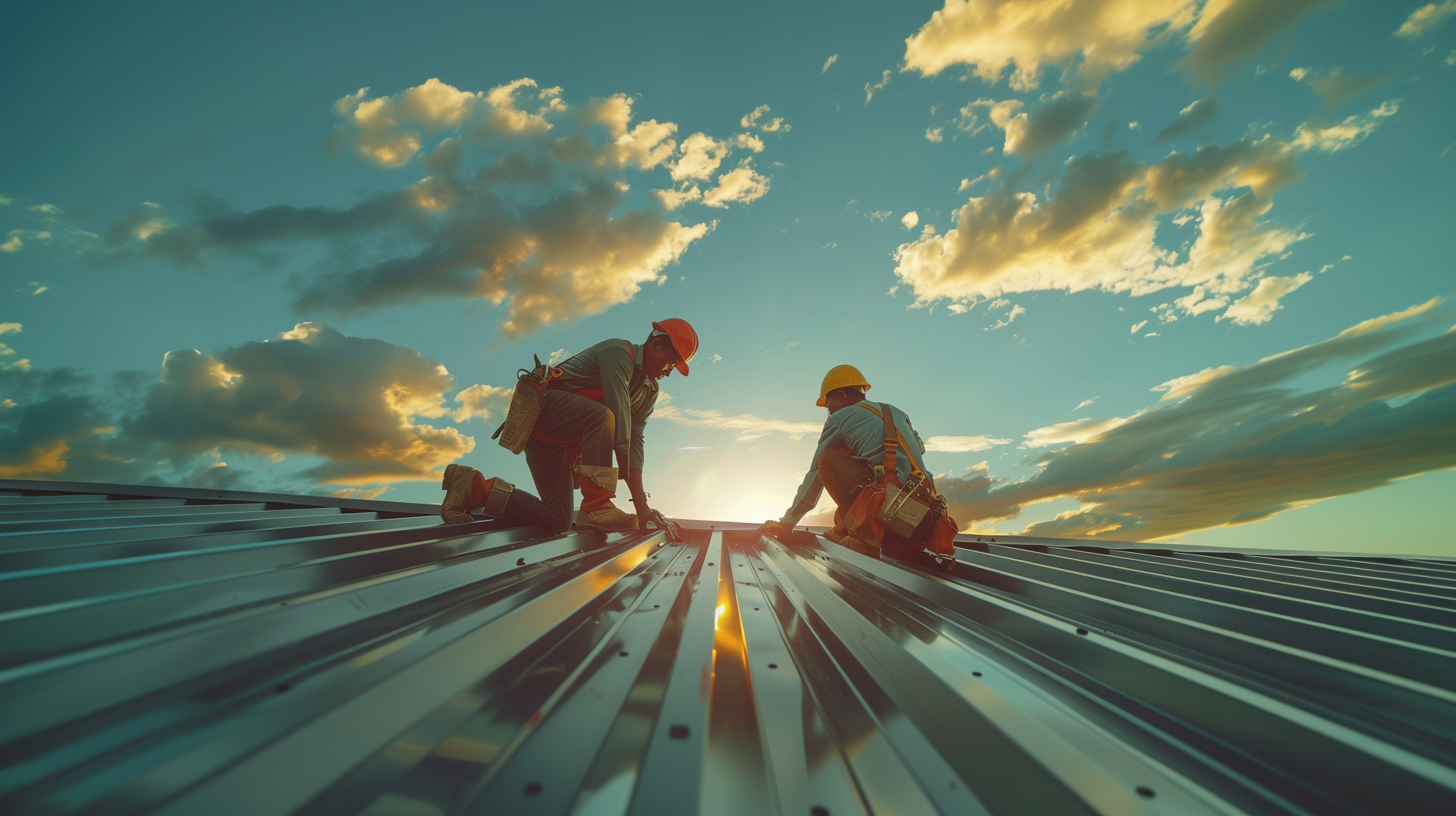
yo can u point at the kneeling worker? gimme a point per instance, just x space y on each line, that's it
595 406
870 459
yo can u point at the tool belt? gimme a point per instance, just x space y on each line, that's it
526 404
901 520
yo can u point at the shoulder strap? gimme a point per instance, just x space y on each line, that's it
892 440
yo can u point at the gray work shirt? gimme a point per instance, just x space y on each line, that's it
611 373
862 434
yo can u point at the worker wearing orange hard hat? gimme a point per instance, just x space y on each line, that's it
589 410
871 461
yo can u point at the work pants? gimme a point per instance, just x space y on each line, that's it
843 477
583 429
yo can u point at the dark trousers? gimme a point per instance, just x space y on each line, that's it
843 477
583 428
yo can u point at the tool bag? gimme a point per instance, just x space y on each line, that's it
526 404
887 514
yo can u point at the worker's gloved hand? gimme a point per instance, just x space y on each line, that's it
654 519
774 529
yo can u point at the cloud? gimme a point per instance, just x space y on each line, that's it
910 219
1137 326
1260 305
354 403
1228 32
1425 18
1334 88
935 134
1199 114
748 426
13 242
484 401
992 35
10 328
828 62
752 120
871 89
742 184
692 449
962 444
1238 444
1029 133
1349 132
1084 403
1093 38
1016 311
526 202
1098 229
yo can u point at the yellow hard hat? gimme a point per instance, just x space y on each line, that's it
841 376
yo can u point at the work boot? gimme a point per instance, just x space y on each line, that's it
458 484
598 488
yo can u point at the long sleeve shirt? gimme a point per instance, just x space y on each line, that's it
611 372
861 434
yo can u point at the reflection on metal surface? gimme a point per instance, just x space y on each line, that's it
184 652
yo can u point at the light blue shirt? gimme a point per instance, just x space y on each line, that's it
862 434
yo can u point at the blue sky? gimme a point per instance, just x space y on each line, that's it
1166 271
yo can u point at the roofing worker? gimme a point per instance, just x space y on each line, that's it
594 409
867 453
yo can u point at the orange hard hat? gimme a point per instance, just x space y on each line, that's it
684 340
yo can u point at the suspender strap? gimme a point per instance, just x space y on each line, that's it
892 442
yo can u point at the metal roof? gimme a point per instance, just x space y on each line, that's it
176 651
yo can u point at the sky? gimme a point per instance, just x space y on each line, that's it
1150 270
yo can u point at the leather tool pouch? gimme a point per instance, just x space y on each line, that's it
901 512
526 403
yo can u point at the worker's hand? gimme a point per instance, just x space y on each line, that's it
660 522
774 528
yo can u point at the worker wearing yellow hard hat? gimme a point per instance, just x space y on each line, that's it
871 461
579 416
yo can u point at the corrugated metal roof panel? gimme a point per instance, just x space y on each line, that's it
174 651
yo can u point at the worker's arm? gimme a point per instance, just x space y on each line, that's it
811 488
614 367
636 459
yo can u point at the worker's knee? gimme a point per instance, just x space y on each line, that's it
609 422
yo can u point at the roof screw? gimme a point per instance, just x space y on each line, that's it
1145 792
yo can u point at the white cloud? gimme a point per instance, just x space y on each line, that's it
525 205
910 219
1084 403
1425 18
752 120
748 426
828 62
878 215
692 449
871 89
935 134
962 444
1016 311
557 356
10 328
1137 326
1260 305
992 35
742 184
13 243
717 358
1092 38
1030 132
482 402
1245 440
1098 229
1349 132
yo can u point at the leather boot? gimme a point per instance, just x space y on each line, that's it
598 488
466 489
